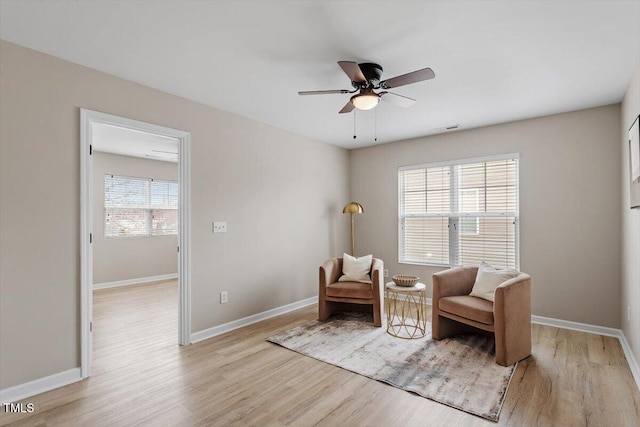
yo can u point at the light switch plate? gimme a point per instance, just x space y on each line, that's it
219 227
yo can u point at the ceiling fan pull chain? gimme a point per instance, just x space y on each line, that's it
354 124
375 126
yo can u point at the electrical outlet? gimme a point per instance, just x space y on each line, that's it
224 297
219 227
386 273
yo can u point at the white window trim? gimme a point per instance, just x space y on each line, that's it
461 161
515 214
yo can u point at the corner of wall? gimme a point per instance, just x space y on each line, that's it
630 227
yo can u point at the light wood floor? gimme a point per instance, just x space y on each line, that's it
141 377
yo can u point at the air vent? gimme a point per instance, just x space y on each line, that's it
447 128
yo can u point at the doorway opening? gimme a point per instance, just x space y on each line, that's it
133 209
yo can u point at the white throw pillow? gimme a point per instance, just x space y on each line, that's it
356 269
488 279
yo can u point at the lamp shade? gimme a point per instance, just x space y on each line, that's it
353 207
365 101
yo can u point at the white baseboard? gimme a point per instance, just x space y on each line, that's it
230 326
137 281
576 326
22 391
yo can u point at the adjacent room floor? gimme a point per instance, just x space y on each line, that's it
142 377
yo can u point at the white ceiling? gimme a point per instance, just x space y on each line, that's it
495 61
129 142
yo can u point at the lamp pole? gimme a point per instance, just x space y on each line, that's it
353 236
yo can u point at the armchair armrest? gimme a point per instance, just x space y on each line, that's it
377 285
377 275
329 272
512 319
513 298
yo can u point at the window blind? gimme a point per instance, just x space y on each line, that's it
139 207
459 213
164 208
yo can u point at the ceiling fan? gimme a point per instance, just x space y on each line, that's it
365 79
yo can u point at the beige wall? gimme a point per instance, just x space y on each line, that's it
280 193
630 305
137 257
569 205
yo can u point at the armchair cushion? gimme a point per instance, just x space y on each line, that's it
488 279
356 269
468 307
350 290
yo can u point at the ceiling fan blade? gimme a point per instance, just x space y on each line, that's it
347 108
406 79
399 100
352 70
322 92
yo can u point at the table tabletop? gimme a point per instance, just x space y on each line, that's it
418 287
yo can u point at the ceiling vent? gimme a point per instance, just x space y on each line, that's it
447 128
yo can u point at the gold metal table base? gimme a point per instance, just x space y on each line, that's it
406 311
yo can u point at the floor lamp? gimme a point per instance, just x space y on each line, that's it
353 208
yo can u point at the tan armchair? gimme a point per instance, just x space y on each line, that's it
508 318
350 296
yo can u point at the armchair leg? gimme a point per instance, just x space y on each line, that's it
501 355
377 315
510 351
324 311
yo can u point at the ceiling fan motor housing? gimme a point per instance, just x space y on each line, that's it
372 72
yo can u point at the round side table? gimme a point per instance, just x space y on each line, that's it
406 310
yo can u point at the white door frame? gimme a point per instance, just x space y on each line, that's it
87 118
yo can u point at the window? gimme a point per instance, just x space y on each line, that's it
139 207
459 213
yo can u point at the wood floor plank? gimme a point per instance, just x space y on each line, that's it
142 377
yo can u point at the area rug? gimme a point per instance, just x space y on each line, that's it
460 372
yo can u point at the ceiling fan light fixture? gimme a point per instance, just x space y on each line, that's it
365 101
